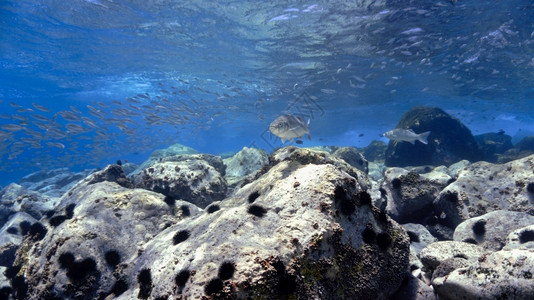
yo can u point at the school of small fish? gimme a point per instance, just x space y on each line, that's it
86 134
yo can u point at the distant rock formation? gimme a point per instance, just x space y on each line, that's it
449 141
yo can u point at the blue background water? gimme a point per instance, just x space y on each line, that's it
212 75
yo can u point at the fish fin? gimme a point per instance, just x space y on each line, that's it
309 137
308 123
423 137
412 142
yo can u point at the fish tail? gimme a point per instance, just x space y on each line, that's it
423 137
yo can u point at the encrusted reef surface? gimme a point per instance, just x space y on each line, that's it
295 224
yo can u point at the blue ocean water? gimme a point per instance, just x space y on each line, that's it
85 83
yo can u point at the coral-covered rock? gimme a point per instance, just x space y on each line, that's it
243 163
499 275
449 141
353 157
112 173
53 183
409 195
173 150
419 237
300 228
194 178
307 156
484 187
15 198
105 226
522 238
490 230
11 235
436 253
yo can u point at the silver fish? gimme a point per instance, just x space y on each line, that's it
288 127
11 127
407 135
40 107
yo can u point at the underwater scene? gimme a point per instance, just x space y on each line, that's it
367 149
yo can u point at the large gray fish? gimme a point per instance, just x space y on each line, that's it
407 135
288 127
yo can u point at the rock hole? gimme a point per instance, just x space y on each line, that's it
69 211
226 270
145 284
169 200
479 228
113 258
57 220
364 198
253 196
396 183
257 210
214 286
66 260
37 231
24 227
526 236
119 287
81 269
470 241
213 208
451 197
368 234
383 240
180 236
414 237
461 255
185 210
182 277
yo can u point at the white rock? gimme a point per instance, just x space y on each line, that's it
499 275
492 228
484 187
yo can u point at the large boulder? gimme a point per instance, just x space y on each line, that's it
353 157
197 178
526 144
410 195
375 151
172 150
490 230
493 144
304 228
15 198
438 253
499 275
243 163
11 235
521 238
449 141
309 155
100 227
53 183
483 187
